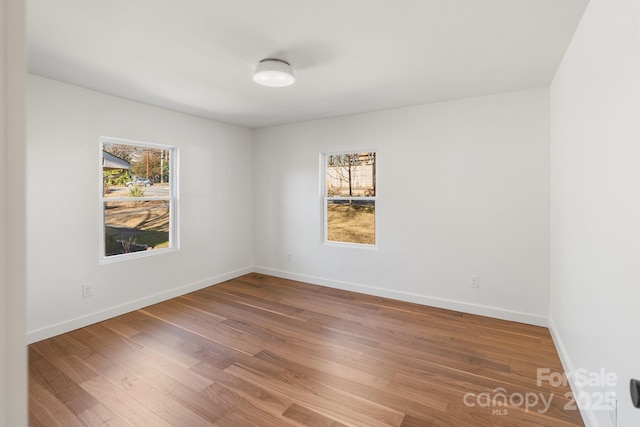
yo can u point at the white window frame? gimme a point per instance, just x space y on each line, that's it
325 200
172 199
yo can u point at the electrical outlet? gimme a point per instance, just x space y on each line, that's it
288 257
475 281
87 291
613 411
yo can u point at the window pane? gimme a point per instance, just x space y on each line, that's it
351 175
136 226
135 171
351 221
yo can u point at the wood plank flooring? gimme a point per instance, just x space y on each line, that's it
264 351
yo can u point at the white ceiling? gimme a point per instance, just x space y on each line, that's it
349 56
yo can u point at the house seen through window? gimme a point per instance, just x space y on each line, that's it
350 197
138 197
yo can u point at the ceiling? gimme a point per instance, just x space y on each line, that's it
349 56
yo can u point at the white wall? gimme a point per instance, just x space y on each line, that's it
595 203
13 354
64 124
482 205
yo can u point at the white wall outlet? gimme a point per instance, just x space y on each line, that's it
288 257
475 281
613 411
87 291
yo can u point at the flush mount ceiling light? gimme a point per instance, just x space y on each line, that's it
274 73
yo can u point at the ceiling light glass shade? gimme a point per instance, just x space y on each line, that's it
274 73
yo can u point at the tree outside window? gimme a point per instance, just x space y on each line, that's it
350 197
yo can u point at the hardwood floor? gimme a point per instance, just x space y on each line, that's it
263 351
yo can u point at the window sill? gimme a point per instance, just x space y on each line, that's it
135 255
362 246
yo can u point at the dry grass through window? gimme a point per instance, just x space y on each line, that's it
351 224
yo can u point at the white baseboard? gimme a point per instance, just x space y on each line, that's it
79 322
99 316
481 310
567 365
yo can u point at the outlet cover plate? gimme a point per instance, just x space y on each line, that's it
87 291
475 281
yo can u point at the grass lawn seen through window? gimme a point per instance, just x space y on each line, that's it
351 222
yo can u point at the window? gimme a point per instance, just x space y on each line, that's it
350 197
138 198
